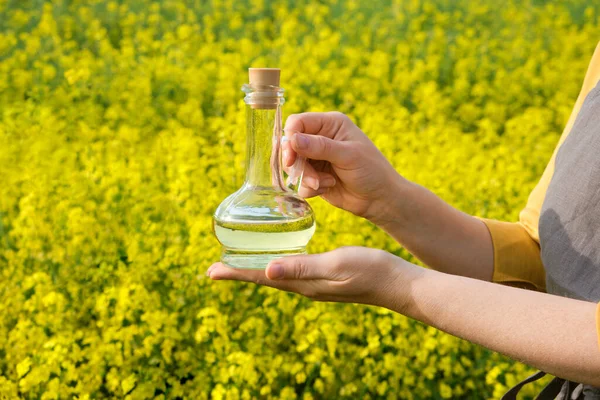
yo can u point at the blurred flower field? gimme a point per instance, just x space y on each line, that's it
122 128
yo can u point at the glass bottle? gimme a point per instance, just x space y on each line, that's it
266 218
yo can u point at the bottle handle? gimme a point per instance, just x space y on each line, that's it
295 172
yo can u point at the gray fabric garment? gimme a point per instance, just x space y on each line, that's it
570 217
569 223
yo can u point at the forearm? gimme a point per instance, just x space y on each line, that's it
555 334
441 236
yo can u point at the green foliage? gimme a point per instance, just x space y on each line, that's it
122 129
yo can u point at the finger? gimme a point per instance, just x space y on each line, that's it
318 183
311 266
326 180
310 178
310 169
221 272
210 269
288 155
316 123
322 148
316 180
308 193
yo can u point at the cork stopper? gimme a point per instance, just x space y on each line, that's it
265 98
264 76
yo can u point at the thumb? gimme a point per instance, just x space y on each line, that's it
313 266
318 147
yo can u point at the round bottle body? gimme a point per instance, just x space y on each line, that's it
256 226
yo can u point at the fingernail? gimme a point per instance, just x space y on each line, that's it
286 156
328 181
209 269
311 182
301 141
276 271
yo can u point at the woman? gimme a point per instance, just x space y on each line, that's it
554 248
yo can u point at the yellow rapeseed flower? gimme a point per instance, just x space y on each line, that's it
122 129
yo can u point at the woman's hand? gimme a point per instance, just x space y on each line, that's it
345 167
347 274
348 171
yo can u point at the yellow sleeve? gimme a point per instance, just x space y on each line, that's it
517 260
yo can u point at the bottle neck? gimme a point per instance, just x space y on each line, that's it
263 165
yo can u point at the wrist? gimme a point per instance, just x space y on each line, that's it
390 210
394 289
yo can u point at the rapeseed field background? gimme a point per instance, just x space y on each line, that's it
122 129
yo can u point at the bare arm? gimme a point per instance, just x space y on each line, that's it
441 236
555 334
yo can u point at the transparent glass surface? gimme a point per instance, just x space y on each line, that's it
266 218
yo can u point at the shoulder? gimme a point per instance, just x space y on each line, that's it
592 76
594 68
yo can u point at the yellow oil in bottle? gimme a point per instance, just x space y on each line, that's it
253 244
